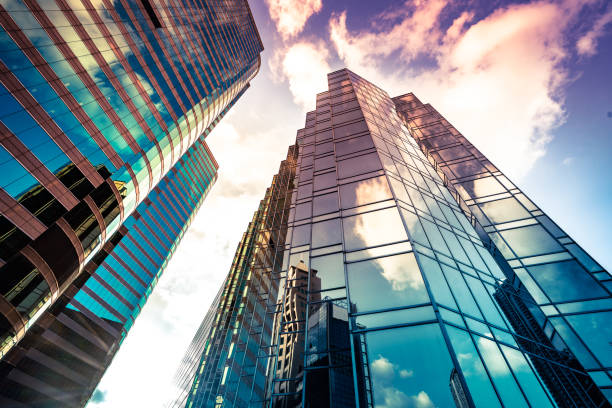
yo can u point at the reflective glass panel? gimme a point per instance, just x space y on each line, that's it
373 228
326 233
410 367
530 240
364 192
582 283
330 270
386 282
476 377
324 204
504 210
358 165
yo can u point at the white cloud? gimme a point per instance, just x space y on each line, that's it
568 161
382 368
587 44
406 373
304 65
498 80
290 16
422 400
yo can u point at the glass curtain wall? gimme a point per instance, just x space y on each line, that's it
390 292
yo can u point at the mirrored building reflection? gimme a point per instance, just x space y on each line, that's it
413 274
105 107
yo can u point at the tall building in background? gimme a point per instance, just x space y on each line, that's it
105 107
228 359
413 273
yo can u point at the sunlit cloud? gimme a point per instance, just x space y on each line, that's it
290 16
304 65
498 80
587 43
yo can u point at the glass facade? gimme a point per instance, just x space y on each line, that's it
100 101
106 105
61 359
228 358
398 284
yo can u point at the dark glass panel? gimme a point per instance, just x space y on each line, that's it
16 275
57 250
85 226
12 239
42 204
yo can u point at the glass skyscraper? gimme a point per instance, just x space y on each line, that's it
398 267
105 107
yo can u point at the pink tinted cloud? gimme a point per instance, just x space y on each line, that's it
587 44
290 16
500 80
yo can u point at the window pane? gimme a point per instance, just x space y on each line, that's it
353 128
467 168
410 367
330 269
373 228
326 233
596 331
476 378
303 210
354 145
576 283
301 235
364 192
326 180
304 191
325 203
324 163
530 240
386 282
502 377
460 290
358 165
504 210
324 148
437 283
483 187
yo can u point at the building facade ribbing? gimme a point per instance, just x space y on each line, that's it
413 274
105 107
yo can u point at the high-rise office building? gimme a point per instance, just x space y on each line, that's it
414 273
105 106
228 359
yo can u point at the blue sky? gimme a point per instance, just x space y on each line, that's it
528 83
